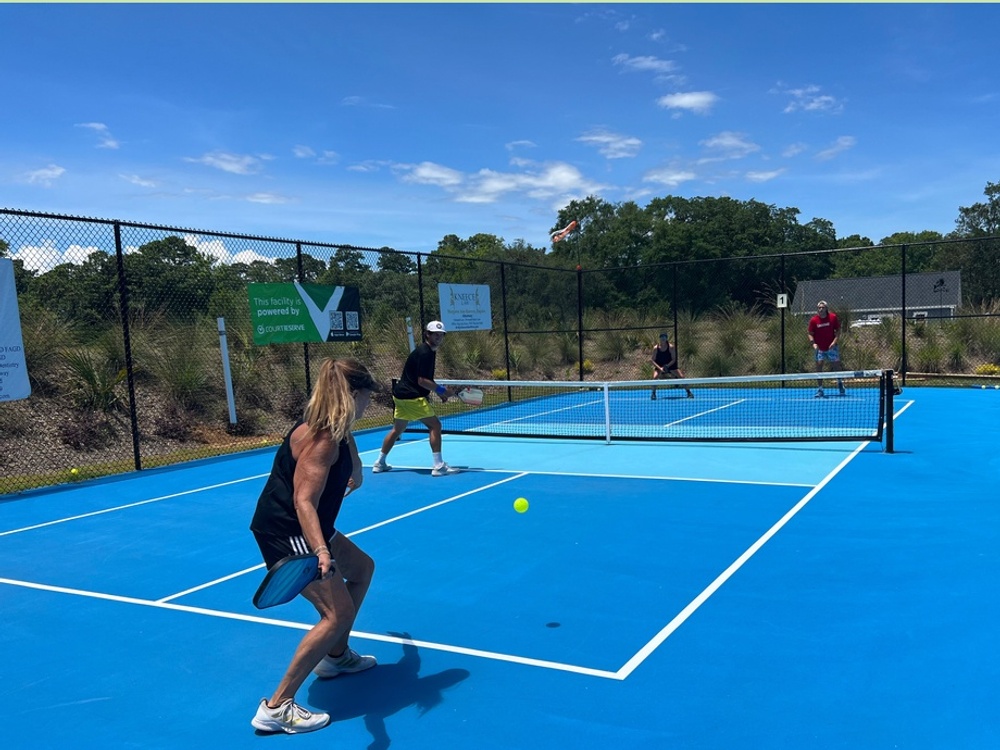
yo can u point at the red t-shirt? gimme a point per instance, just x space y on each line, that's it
824 331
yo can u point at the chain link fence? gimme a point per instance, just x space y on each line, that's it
121 329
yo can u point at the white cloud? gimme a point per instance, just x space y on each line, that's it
232 163
250 256
547 181
809 99
137 180
520 144
843 143
77 254
360 101
306 152
46 256
699 102
428 173
612 145
214 248
669 176
729 145
268 198
645 64
106 139
537 181
45 176
793 149
764 176
369 165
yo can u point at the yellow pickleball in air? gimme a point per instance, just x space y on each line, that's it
521 505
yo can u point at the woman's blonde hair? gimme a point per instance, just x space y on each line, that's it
331 406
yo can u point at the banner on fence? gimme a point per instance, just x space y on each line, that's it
14 383
465 307
304 313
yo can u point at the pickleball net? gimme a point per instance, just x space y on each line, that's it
731 409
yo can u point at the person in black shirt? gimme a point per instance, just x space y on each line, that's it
409 394
665 363
315 467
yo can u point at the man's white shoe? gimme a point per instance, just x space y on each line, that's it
289 717
347 663
443 470
379 466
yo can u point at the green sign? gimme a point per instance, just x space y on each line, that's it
304 313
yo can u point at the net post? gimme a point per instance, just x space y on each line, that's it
607 413
888 390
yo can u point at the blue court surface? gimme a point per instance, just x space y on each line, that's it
655 595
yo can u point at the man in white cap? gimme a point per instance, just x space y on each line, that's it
410 396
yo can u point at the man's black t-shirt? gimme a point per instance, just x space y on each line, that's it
420 364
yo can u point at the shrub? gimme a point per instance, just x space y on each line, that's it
93 382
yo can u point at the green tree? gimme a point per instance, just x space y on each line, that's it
981 219
171 276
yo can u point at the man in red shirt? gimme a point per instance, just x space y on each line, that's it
824 330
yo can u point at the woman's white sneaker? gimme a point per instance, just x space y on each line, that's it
289 717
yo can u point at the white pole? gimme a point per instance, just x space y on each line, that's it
226 374
409 332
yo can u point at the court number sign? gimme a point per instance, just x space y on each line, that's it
14 383
304 313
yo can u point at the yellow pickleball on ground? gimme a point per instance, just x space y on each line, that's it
521 505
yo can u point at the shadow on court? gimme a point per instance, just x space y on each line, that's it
379 693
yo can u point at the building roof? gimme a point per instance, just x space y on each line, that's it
934 289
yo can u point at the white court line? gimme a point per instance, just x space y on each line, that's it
543 413
905 407
438 504
703 413
192 590
657 640
161 604
130 505
451 499
588 475
620 674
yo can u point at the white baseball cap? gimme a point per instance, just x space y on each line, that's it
436 326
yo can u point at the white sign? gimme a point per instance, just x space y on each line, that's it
782 300
465 307
14 383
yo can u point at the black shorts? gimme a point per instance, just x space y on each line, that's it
274 548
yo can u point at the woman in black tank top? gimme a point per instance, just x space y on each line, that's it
316 465
665 363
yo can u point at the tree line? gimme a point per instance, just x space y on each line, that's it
627 254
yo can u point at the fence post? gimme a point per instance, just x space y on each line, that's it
579 316
127 342
305 345
503 298
673 305
784 290
420 291
902 290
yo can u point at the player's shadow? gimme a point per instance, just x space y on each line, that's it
377 694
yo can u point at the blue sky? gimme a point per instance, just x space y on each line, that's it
395 125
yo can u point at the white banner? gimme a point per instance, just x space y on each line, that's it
465 307
14 383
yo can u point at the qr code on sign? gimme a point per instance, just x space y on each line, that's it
336 320
353 324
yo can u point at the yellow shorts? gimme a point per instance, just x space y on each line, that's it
412 409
